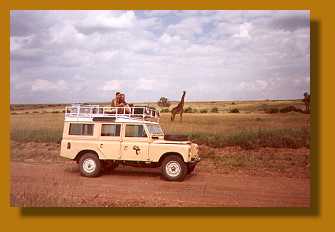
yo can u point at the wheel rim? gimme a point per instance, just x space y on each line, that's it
89 165
173 168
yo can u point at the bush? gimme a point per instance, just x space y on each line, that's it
288 109
272 111
233 103
234 110
188 110
203 111
195 111
166 110
214 110
250 139
35 112
55 112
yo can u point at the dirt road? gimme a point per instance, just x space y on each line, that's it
60 184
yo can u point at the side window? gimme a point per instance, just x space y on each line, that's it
135 131
81 129
110 129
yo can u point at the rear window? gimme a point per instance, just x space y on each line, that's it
135 131
110 130
81 129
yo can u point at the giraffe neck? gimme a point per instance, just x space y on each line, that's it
182 99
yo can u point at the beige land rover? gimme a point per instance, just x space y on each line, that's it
100 138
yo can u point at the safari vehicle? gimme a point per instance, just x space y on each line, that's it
101 138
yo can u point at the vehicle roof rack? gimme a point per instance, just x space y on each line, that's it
77 112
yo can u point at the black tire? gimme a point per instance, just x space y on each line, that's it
171 164
190 168
90 165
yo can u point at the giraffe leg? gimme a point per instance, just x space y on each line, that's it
172 116
181 116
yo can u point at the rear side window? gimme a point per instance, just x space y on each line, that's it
110 129
135 131
81 129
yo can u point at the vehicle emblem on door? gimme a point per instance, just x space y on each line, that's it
137 149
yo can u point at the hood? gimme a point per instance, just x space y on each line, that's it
161 141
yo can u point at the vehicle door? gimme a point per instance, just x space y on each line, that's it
110 140
135 143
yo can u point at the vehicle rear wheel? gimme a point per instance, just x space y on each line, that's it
90 165
173 168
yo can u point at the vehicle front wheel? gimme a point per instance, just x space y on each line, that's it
90 165
173 168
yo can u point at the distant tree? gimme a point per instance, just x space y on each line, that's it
163 102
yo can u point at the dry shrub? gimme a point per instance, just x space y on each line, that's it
188 110
288 109
272 111
234 110
279 138
166 110
214 110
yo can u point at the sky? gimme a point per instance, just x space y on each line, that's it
86 56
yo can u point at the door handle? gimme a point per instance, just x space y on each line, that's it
101 145
125 147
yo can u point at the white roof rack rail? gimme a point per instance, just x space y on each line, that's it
77 112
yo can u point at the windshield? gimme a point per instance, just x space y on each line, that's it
155 129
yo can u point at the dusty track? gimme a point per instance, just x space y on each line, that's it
36 184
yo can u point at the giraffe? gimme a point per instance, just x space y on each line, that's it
179 109
307 101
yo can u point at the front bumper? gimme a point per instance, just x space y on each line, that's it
195 160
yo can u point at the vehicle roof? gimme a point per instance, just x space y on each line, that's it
117 120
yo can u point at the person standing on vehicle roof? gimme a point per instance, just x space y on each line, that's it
122 103
116 100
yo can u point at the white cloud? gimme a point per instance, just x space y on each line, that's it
113 85
167 39
20 42
145 84
45 85
106 19
244 31
187 28
149 54
257 85
65 33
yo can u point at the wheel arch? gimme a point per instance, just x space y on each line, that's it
168 154
82 152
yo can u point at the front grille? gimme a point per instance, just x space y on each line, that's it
194 150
